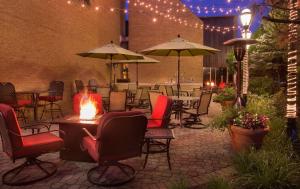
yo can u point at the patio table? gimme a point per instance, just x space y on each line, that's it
178 102
35 100
158 134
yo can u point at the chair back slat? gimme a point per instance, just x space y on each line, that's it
144 95
8 93
120 135
56 88
162 89
169 90
117 101
79 86
204 103
153 95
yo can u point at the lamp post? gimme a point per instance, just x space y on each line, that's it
246 19
246 35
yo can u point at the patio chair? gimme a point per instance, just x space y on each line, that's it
137 100
161 113
92 85
162 89
55 94
79 86
8 96
153 95
194 121
104 92
17 146
120 136
117 101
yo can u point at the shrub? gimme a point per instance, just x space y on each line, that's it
227 94
266 170
218 183
261 105
261 85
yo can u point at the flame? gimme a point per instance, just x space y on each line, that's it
88 109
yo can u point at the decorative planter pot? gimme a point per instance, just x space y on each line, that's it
242 139
227 104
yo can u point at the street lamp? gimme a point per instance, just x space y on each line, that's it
246 18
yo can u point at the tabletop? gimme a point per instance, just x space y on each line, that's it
74 119
184 98
159 133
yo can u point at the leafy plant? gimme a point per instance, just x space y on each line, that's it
181 183
218 183
261 105
227 94
250 121
222 121
261 85
266 170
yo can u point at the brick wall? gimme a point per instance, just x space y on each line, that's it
143 33
39 40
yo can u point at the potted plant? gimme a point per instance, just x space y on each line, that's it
246 129
226 97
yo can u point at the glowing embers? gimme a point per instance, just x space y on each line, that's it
88 108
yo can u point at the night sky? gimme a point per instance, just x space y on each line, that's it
205 8
222 8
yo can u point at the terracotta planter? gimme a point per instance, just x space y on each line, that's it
242 139
227 104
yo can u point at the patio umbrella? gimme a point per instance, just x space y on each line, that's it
146 60
179 47
112 52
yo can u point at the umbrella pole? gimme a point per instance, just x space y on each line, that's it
137 75
111 68
178 74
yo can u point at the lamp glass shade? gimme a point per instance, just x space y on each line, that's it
246 35
246 17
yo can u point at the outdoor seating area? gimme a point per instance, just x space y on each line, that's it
150 94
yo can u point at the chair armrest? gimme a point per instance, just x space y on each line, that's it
16 134
89 134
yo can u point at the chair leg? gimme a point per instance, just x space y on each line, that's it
101 176
21 176
44 109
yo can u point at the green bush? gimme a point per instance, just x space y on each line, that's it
218 183
279 102
266 170
227 94
181 183
261 105
261 85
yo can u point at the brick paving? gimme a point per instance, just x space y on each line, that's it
196 155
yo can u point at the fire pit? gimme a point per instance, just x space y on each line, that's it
72 128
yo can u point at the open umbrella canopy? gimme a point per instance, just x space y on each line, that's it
179 47
111 51
145 60
185 47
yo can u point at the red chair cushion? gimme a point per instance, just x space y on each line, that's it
24 102
50 98
90 146
159 111
12 124
154 123
39 144
94 97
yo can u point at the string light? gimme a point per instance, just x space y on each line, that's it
170 13
292 64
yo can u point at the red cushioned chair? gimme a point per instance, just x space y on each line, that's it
120 136
96 98
55 94
30 147
8 96
161 113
